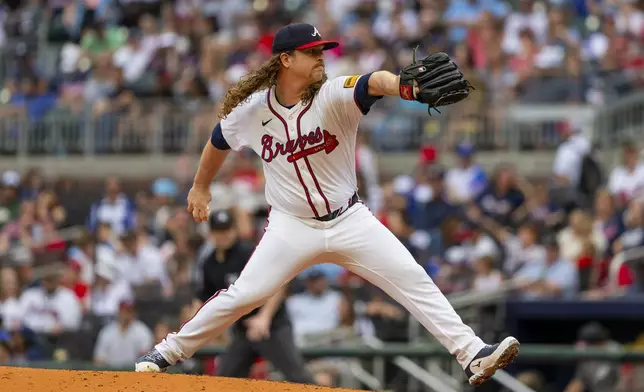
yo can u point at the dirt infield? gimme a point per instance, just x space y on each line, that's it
14 379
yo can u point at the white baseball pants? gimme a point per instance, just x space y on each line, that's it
357 241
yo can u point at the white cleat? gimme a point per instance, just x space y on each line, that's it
152 362
490 359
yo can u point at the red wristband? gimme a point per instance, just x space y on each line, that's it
406 92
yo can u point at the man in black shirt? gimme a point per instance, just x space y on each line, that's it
266 331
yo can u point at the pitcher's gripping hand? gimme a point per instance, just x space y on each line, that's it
199 199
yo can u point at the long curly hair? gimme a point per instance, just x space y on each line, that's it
262 78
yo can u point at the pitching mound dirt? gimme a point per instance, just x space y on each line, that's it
14 379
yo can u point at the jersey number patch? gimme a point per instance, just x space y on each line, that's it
351 81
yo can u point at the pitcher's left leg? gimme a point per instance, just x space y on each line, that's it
374 253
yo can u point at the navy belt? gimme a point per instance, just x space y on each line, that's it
334 214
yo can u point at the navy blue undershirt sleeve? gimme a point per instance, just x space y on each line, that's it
361 94
217 139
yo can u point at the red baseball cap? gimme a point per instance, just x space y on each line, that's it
299 36
428 154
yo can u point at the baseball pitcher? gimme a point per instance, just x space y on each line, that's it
304 127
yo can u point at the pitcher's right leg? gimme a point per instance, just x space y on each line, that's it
287 247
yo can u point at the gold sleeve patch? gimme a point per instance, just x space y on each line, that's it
351 81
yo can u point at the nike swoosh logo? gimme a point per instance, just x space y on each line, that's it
266 122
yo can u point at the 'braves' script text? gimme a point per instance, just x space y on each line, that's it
318 140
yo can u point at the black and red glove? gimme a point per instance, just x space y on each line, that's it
439 81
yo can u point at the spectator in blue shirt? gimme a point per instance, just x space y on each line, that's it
467 180
553 277
501 198
34 98
427 204
542 210
115 209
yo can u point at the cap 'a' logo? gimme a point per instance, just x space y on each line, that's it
351 81
316 32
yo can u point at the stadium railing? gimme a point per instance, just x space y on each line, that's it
164 127
622 119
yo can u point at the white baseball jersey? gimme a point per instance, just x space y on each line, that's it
308 154
308 151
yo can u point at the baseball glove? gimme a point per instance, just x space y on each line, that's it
440 82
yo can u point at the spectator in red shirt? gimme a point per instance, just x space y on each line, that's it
72 280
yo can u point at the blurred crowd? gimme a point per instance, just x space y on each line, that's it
546 237
103 277
87 283
119 68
